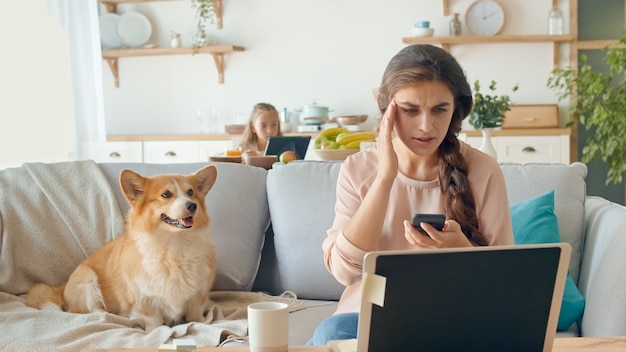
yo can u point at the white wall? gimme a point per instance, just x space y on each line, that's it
296 50
36 113
333 51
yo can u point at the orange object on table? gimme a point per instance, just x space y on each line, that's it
233 152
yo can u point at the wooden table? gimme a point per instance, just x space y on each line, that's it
217 349
595 344
568 344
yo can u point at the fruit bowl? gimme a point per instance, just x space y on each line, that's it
335 154
264 161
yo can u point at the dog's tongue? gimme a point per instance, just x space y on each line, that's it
188 222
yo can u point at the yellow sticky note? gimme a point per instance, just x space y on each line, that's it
373 289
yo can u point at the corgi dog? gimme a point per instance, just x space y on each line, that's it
160 269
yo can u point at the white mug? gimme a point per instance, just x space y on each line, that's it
268 326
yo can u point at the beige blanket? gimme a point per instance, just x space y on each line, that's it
52 217
26 329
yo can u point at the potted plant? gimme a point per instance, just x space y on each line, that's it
488 110
487 113
205 12
598 102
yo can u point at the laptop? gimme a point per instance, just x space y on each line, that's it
279 144
497 298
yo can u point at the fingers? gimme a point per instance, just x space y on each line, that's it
416 238
389 119
450 236
452 226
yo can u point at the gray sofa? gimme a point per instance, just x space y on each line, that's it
268 227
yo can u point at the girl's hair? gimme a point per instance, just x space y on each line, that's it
418 63
249 139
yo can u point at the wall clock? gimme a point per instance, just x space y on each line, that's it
485 17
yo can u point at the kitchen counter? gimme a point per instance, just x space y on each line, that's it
184 137
226 137
512 145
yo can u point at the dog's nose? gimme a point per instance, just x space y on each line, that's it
191 206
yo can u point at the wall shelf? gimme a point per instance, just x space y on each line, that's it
596 44
447 41
217 51
111 6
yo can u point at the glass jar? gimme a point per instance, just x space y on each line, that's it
555 21
455 25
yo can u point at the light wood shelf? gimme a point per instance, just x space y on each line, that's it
447 41
217 51
596 44
111 6
476 39
523 132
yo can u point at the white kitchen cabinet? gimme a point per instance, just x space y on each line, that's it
118 152
170 152
207 149
527 149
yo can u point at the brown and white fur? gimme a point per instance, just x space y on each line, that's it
161 269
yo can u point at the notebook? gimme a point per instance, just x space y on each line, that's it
277 145
497 298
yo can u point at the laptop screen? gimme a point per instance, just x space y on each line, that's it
479 299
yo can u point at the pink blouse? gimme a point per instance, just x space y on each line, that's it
345 261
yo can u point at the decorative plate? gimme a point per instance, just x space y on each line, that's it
108 31
134 29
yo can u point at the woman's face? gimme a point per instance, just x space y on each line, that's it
424 114
265 125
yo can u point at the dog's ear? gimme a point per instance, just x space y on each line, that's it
132 185
206 178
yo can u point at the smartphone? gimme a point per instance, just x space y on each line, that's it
435 220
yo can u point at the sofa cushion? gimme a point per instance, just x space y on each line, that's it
534 221
526 181
237 206
301 198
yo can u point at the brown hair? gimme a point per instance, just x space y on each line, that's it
416 63
249 139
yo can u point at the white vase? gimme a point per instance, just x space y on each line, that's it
486 146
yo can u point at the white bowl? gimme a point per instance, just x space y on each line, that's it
423 32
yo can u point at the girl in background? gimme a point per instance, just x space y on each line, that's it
262 124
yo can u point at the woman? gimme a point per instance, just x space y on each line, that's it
262 124
417 166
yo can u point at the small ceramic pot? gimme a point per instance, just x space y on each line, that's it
314 110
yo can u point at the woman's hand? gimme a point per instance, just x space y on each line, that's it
450 236
387 157
250 152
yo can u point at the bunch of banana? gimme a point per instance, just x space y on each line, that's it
342 138
332 133
352 140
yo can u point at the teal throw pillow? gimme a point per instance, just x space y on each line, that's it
534 221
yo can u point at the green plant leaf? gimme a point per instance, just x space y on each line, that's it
598 103
488 110
205 13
